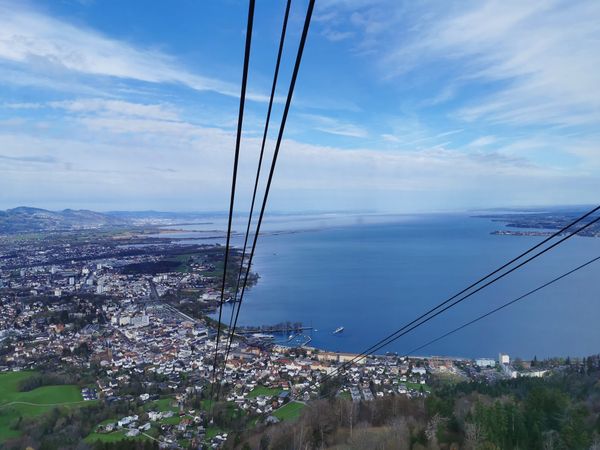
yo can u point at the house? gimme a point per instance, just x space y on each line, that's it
155 415
419 370
127 420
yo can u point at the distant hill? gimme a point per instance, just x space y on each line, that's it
27 219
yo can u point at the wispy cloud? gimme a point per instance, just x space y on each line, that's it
44 159
104 106
124 167
483 141
334 126
522 62
336 36
544 53
448 93
52 45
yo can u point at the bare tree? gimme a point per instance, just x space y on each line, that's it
400 431
474 436
550 440
595 443
432 429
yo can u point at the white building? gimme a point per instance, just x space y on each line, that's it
485 362
124 320
127 420
140 321
419 370
509 371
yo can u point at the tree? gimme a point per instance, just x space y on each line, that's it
264 442
432 429
574 433
474 436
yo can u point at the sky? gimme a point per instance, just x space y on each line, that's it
400 106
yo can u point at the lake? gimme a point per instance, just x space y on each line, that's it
374 274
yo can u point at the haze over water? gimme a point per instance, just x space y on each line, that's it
372 278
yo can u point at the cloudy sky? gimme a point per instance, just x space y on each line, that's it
399 106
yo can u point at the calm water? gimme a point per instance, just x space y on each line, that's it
372 278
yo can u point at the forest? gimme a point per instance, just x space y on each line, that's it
561 411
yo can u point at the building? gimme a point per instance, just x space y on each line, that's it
534 373
503 358
509 371
140 321
419 370
485 362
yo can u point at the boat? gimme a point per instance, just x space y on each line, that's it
338 330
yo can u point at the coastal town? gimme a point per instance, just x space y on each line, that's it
134 320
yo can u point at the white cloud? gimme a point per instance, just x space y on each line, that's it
37 40
139 159
537 61
118 107
483 141
120 151
334 126
104 106
336 36
390 138
545 53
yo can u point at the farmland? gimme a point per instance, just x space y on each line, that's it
15 404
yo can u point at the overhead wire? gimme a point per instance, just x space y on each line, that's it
505 305
422 319
285 113
251 5
495 310
416 323
258 171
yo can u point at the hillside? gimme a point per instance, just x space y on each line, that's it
27 219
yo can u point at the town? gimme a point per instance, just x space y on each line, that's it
130 315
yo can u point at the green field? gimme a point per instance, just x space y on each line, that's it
417 386
345 395
211 432
261 390
15 404
115 436
164 404
291 411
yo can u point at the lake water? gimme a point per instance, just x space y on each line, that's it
372 275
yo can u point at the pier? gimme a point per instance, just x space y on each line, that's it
276 329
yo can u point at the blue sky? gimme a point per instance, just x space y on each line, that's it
399 106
